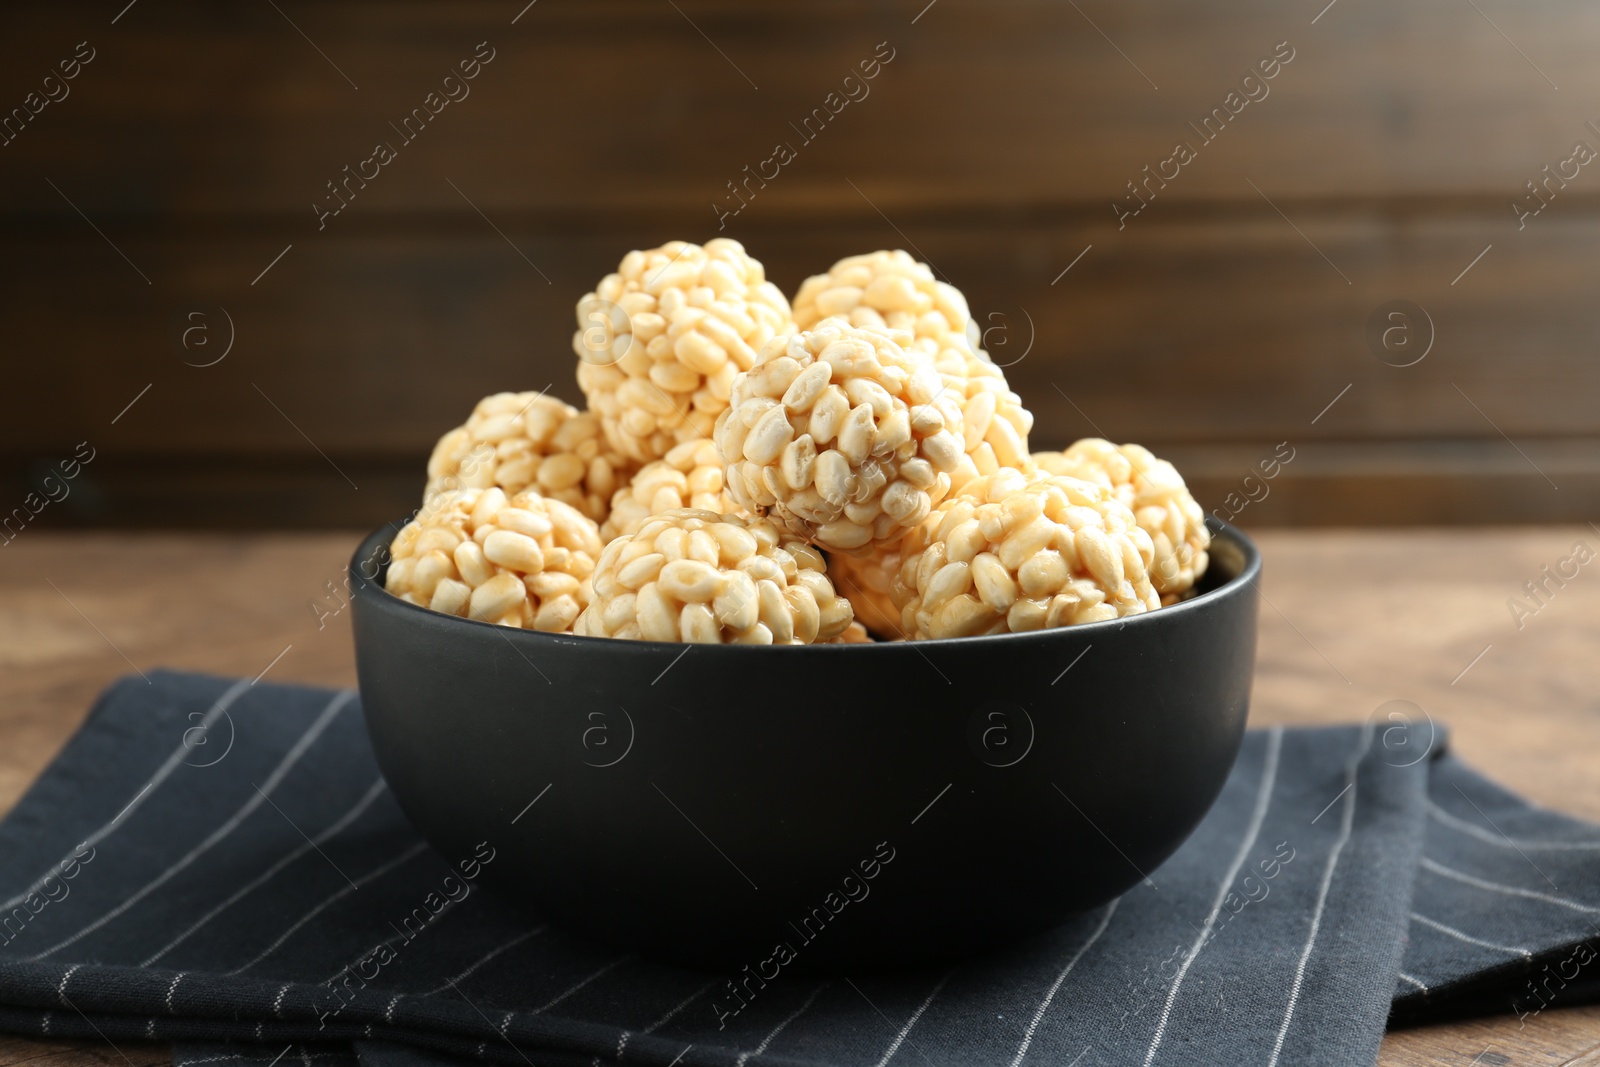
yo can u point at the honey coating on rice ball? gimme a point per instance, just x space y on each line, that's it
892 289
519 561
689 476
690 575
840 436
865 581
1155 492
660 340
520 441
1013 553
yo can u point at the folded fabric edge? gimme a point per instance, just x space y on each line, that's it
477 1039
1524 988
222 1054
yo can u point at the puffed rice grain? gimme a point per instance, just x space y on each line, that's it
1154 490
518 561
693 575
854 634
840 436
689 476
894 290
1016 552
884 289
520 441
865 581
660 341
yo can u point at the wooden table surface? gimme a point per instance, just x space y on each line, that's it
1353 618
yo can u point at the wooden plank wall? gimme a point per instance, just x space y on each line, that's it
1381 160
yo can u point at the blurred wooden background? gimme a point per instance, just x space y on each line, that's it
1224 319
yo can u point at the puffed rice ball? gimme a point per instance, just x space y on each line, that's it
841 436
1154 490
865 581
996 425
518 562
1014 553
891 289
885 289
691 575
690 476
523 441
660 341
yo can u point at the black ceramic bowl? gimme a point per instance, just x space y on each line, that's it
868 805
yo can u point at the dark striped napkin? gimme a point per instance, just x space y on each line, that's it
210 862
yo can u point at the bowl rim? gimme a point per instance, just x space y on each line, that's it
1249 575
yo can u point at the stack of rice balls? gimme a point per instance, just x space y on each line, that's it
753 472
